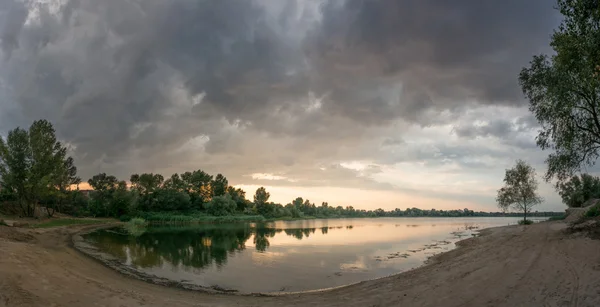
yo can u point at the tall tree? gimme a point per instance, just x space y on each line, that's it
261 198
520 189
564 90
579 189
146 183
219 185
197 185
32 164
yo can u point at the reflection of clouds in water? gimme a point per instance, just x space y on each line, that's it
359 264
266 258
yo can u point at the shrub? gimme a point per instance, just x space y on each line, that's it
3 223
221 205
593 212
136 226
525 222
124 218
557 218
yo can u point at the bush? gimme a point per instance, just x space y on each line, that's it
124 218
136 226
593 212
137 222
221 206
557 218
3 223
525 222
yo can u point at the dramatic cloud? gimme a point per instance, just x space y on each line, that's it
258 89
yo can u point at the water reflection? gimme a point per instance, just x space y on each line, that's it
197 246
295 256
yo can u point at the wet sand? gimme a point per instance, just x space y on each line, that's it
537 265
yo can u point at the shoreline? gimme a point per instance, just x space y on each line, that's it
87 249
506 266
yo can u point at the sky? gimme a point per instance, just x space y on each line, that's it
373 104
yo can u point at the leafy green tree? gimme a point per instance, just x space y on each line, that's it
520 189
102 199
31 165
261 197
146 183
168 199
221 206
579 189
219 185
564 90
198 186
239 196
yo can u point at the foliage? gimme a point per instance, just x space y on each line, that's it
593 212
564 90
195 218
66 222
3 223
219 185
221 205
520 189
34 166
557 218
579 189
136 226
261 197
124 218
525 222
110 197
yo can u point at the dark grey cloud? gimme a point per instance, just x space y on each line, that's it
443 52
129 83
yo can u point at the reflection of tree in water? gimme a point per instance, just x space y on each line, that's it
197 246
300 233
192 247
261 241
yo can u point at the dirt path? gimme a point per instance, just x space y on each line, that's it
509 266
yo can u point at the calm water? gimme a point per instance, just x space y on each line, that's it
288 256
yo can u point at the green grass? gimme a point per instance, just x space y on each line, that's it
195 218
594 211
66 222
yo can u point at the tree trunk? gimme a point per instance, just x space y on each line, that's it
525 217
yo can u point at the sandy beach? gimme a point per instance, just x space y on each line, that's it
537 265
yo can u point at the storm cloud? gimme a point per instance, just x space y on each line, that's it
247 86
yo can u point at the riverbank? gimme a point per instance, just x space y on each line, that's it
537 265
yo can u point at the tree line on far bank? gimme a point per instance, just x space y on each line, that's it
35 172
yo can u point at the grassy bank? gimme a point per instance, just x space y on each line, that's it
159 218
195 218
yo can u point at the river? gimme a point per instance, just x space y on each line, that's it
288 256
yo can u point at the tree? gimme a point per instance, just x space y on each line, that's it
32 165
579 189
102 202
67 176
146 183
221 206
239 196
564 90
197 185
261 197
520 189
219 185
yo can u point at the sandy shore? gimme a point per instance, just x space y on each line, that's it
539 265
